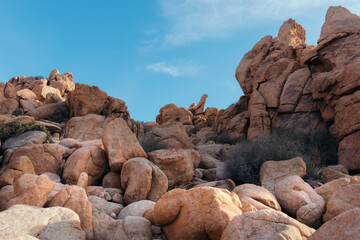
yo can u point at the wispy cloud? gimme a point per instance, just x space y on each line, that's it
197 20
182 68
163 67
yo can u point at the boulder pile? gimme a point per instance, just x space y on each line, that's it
81 168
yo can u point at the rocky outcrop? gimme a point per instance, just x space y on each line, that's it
198 213
173 113
15 168
86 100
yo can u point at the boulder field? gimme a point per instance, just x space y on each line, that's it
75 165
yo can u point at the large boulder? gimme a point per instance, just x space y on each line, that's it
101 205
343 200
90 160
330 188
344 226
130 228
27 138
266 224
86 100
31 190
169 135
199 213
299 199
173 113
84 128
177 164
15 168
74 198
259 197
44 157
29 222
142 180
120 144
273 171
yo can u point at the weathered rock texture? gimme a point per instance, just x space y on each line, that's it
29 222
199 213
142 180
266 224
120 144
177 164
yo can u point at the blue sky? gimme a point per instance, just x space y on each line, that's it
148 53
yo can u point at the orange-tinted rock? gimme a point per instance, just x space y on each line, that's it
293 90
31 190
173 113
44 157
200 213
16 167
142 180
349 152
329 188
343 200
266 224
273 171
339 22
90 160
41 91
177 164
171 135
8 106
26 94
74 198
333 172
344 226
291 34
84 128
259 197
111 180
299 199
86 100
10 91
259 117
120 144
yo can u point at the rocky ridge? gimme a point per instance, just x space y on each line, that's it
101 175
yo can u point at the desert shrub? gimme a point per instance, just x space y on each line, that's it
151 143
18 112
246 158
223 139
15 128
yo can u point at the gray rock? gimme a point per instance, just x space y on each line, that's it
31 137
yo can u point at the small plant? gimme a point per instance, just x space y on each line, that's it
150 143
15 128
246 158
18 112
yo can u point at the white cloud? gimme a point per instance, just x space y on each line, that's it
163 67
197 20
180 68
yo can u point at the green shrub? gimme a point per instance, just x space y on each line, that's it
18 112
15 128
150 143
246 158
